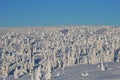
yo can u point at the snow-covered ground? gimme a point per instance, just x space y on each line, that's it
76 72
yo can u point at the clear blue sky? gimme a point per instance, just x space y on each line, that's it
59 12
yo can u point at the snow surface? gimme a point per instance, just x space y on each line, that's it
75 72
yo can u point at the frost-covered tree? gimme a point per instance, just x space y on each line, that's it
16 73
48 70
102 65
38 73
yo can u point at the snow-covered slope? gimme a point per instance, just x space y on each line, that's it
75 72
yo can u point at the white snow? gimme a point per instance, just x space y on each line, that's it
60 53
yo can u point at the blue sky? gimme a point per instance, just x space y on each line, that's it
59 12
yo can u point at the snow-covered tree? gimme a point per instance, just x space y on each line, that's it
16 73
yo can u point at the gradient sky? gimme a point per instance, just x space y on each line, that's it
59 12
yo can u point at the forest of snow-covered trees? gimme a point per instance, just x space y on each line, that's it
40 51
